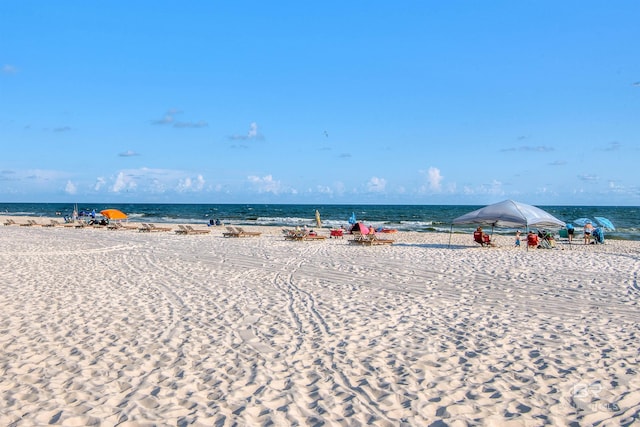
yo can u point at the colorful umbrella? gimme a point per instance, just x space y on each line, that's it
582 221
113 214
318 218
352 220
604 222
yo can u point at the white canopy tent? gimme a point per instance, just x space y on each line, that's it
510 214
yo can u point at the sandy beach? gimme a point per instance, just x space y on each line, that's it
126 328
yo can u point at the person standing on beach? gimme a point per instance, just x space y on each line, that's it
570 230
518 238
588 229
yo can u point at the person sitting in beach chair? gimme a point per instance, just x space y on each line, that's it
482 238
532 240
546 240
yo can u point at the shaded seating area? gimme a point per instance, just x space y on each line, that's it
239 232
507 214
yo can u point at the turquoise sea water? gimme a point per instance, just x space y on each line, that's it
421 218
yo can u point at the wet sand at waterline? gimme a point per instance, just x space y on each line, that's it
125 328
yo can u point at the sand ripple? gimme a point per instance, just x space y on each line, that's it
123 328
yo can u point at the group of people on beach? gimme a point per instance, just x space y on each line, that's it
543 239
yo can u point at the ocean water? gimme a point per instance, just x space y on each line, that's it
420 218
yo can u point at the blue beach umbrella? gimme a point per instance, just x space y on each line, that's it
604 222
582 221
352 220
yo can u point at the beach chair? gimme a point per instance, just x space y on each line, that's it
144 228
147 228
191 230
301 235
10 222
182 230
477 237
544 244
546 240
239 232
120 226
155 228
52 223
336 232
231 232
244 233
370 239
483 239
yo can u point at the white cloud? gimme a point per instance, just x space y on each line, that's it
192 125
324 189
70 188
156 181
253 130
123 182
376 185
9 69
170 119
188 184
434 179
252 134
128 153
266 184
100 182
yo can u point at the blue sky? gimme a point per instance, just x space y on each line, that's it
414 102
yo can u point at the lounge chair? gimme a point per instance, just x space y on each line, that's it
150 227
301 235
192 230
52 223
29 223
187 229
154 228
369 240
239 232
244 233
231 232
182 230
10 222
120 226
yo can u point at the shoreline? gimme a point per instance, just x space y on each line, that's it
120 327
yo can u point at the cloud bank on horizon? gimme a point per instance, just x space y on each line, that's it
411 104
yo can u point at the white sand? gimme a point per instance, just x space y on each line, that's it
124 328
